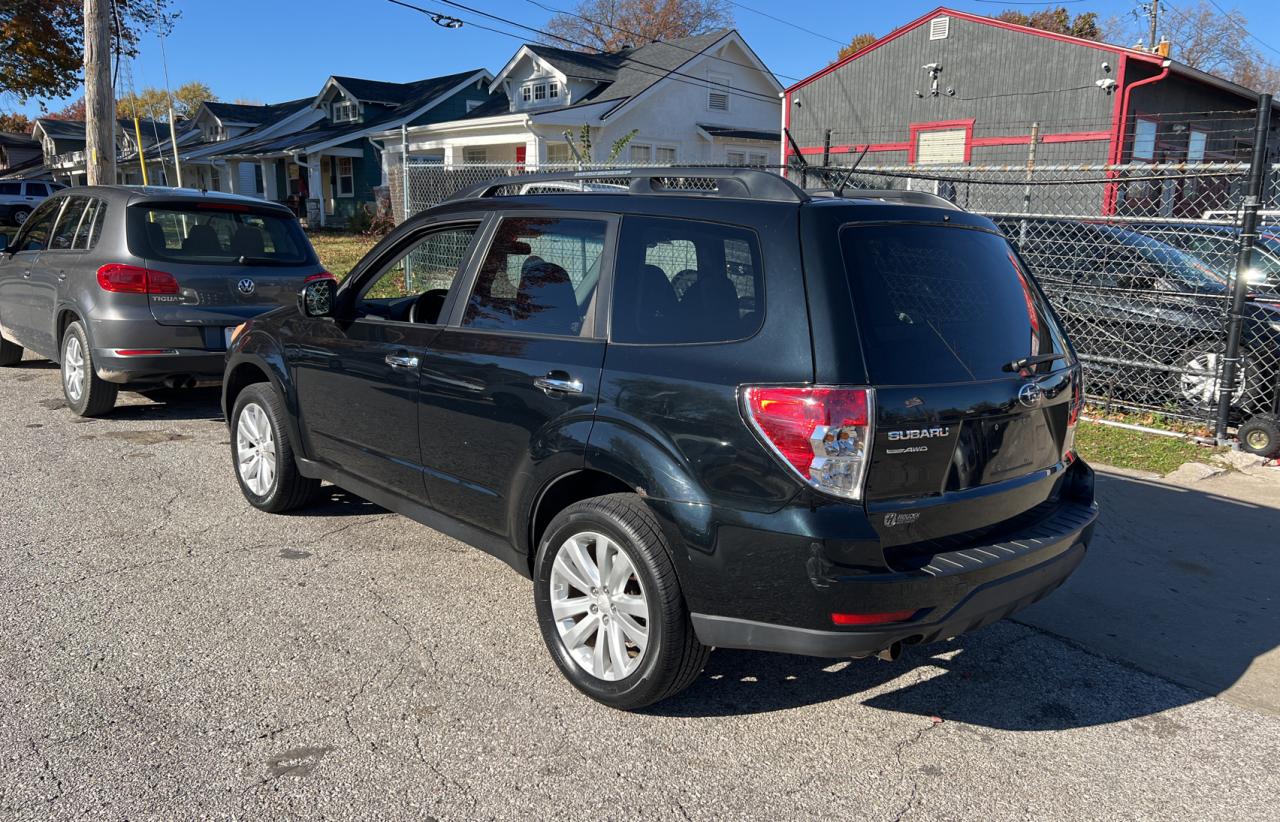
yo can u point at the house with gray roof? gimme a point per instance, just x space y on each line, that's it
701 99
62 145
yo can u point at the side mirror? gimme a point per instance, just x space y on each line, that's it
317 297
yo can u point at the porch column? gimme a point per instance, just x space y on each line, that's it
224 178
451 156
269 191
315 187
233 176
535 152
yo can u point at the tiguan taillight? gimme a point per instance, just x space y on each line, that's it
822 432
132 279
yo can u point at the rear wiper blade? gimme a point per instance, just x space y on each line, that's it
1026 362
243 260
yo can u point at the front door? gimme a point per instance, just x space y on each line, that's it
513 381
358 379
17 294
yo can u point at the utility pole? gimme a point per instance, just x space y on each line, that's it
99 97
1155 19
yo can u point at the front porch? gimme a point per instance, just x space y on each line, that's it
324 188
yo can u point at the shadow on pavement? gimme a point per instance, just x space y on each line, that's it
171 404
336 502
1178 582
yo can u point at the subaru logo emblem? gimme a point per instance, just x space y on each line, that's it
1030 394
246 286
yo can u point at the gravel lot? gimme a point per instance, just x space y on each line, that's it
171 653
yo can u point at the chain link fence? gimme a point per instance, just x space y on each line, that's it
1139 261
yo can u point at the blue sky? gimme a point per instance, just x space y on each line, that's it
274 50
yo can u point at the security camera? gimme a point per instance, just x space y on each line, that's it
1106 84
932 67
1106 66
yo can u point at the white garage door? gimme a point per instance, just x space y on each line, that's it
942 147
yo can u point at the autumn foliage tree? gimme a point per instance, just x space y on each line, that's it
153 104
609 25
1057 20
858 43
16 123
42 41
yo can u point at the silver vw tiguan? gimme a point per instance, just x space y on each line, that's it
128 286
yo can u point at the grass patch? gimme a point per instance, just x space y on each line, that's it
1122 448
340 251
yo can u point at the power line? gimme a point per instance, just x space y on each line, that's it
633 63
786 22
639 36
1248 33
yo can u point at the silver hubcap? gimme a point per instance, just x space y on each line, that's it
256 450
20 217
1200 379
599 605
73 368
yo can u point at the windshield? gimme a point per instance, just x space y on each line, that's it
938 304
1187 268
217 234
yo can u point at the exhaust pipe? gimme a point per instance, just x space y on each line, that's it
891 653
179 382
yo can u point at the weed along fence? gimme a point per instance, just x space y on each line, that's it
1165 275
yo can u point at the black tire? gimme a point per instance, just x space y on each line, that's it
10 353
1260 435
673 657
288 490
96 396
19 215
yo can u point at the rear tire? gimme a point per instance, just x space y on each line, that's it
262 453
10 353
20 215
87 394
1260 435
643 659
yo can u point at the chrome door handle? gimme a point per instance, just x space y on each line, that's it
402 361
551 384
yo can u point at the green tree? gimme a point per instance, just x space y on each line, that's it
610 25
583 145
858 43
42 41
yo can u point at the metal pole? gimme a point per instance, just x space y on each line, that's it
173 130
1244 260
826 148
404 168
1026 192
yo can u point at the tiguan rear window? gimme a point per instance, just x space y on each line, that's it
217 235
939 304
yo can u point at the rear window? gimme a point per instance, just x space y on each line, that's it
217 236
940 304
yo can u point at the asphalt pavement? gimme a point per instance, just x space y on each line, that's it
170 653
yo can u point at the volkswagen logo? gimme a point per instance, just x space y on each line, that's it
246 286
1029 395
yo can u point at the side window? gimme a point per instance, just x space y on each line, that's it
10 189
426 271
65 231
37 190
680 281
90 227
539 276
35 234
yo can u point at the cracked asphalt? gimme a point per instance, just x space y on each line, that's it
170 653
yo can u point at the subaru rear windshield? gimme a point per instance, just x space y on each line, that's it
211 234
943 304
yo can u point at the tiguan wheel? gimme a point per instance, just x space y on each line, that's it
86 393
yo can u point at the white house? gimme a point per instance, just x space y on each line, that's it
703 99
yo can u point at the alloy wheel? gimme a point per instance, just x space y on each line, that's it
1199 380
599 605
256 450
73 368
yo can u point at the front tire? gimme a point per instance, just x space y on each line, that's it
86 393
610 607
263 454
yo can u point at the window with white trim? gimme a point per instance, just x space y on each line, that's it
641 153
718 86
346 177
941 146
664 155
1196 142
559 153
475 155
346 111
540 92
1144 140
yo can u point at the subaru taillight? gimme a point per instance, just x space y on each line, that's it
1073 416
132 279
822 432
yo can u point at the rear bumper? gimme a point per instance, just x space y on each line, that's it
200 365
987 603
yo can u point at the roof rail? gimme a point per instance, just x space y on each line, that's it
889 195
737 183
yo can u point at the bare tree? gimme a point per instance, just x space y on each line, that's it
610 25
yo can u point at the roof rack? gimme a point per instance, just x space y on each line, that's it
888 195
736 183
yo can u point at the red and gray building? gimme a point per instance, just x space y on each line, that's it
957 88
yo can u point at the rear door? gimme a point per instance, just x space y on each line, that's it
514 380
967 422
50 271
226 261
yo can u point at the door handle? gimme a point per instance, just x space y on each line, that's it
62 275
26 275
402 361
558 382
